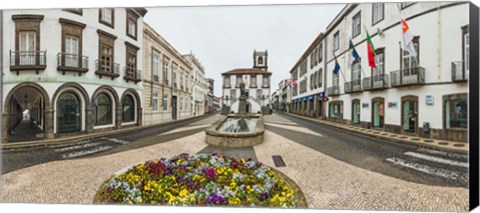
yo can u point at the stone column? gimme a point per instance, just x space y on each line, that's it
5 127
118 117
89 120
49 123
140 116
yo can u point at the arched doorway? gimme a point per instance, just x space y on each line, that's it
32 98
68 113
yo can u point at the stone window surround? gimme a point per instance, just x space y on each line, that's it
27 23
109 40
77 11
359 119
131 49
112 25
416 40
409 98
132 16
72 28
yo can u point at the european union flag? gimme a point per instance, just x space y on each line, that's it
336 68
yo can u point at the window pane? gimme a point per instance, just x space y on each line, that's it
458 117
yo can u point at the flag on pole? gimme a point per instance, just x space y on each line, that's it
407 37
354 54
337 67
370 51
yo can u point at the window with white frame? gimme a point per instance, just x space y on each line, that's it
409 61
320 78
320 53
266 82
155 65
226 81
377 12
106 16
166 61
165 102
356 25
155 102
466 51
379 64
406 4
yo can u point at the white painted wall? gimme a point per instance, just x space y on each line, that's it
440 44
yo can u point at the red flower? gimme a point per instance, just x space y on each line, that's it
211 173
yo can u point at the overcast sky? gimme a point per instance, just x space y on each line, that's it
224 37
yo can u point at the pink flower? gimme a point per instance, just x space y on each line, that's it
211 173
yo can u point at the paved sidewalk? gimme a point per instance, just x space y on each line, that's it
327 183
452 146
82 137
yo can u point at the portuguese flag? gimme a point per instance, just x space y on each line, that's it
370 51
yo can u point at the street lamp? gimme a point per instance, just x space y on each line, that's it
226 98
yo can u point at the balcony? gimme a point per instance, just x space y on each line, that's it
460 71
28 60
333 91
72 62
107 68
132 74
353 86
375 82
407 77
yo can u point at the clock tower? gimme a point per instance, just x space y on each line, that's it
260 60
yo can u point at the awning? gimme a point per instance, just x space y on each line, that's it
311 98
321 94
305 99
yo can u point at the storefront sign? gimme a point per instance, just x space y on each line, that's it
392 105
365 105
429 99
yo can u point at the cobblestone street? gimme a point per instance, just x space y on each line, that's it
327 182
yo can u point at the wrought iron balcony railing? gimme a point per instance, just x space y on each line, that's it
353 86
375 82
107 68
333 91
460 71
410 76
72 62
28 60
132 74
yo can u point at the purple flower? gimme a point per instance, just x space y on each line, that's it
263 196
215 199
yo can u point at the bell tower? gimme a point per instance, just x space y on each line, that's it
260 59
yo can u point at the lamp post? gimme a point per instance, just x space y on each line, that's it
226 98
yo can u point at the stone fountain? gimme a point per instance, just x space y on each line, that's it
237 130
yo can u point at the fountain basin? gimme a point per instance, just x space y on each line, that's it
236 130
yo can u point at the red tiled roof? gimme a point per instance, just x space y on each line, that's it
246 71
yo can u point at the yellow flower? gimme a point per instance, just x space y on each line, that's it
183 193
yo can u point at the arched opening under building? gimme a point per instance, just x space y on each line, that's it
25 108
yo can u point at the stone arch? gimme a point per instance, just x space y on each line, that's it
47 110
78 90
138 104
116 113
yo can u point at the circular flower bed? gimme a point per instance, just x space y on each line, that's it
199 180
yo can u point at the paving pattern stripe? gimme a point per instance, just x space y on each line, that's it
86 152
295 128
116 140
69 144
443 153
426 169
74 147
437 159
181 129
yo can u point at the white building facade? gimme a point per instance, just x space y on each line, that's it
75 71
308 91
199 85
424 95
257 84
